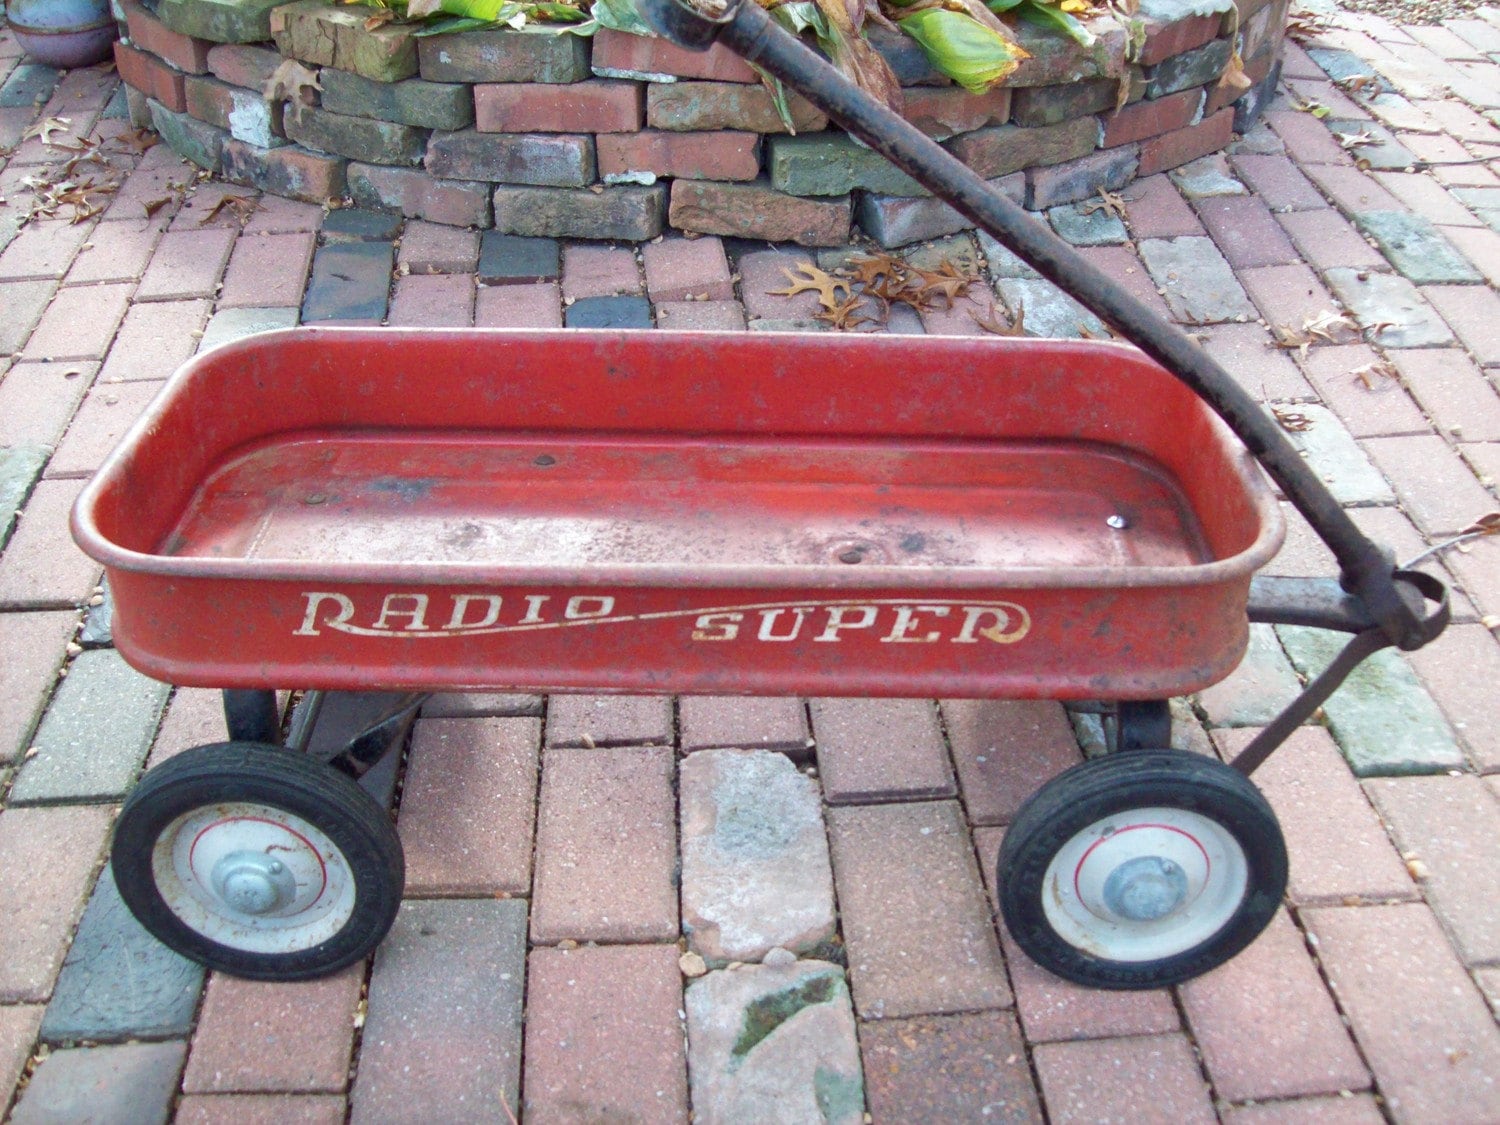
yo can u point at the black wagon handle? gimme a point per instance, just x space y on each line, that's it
1390 599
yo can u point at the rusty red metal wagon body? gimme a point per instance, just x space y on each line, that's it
681 513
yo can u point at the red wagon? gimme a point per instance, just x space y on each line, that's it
689 512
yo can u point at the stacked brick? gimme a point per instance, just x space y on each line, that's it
541 132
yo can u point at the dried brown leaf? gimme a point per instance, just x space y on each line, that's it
46 127
866 269
1291 418
824 284
243 207
1234 76
843 315
990 321
1107 201
1364 85
1487 524
1374 374
295 84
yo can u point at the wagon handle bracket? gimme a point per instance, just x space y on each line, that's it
749 31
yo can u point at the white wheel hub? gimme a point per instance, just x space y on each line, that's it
1145 884
253 877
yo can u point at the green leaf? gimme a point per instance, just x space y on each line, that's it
558 13
1045 15
450 26
974 56
486 10
802 15
778 97
620 15
998 6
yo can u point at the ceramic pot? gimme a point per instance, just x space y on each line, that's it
62 33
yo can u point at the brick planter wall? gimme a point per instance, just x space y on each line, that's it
621 137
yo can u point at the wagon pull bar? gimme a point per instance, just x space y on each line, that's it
1395 604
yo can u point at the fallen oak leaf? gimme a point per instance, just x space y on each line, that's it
843 315
1354 140
1106 201
1322 326
242 205
1366 85
824 284
992 323
44 129
868 268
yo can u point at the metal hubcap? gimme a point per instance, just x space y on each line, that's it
253 882
254 877
1145 889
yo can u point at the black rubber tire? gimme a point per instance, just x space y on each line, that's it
1114 784
278 778
251 716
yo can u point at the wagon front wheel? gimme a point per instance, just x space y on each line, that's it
1141 870
258 861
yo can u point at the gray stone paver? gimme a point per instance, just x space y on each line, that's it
95 735
121 1082
1337 458
1199 285
1382 717
1415 247
119 982
449 981
1389 308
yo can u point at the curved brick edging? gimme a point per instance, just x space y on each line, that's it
620 137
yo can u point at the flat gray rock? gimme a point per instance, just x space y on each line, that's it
1206 177
1416 248
1084 227
1389 308
229 325
20 468
1196 280
755 867
1336 457
1050 312
1003 261
1382 718
774 1044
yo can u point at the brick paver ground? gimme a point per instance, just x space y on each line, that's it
533 970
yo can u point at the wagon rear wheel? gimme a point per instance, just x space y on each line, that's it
1141 870
258 861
